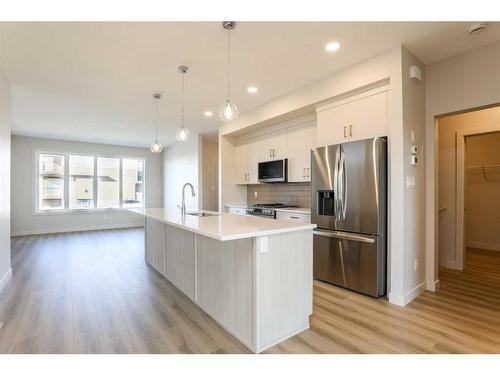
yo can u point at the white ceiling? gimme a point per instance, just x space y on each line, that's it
94 81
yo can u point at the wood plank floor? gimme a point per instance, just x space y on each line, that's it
91 292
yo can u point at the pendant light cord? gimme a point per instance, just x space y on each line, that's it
228 66
182 103
156 112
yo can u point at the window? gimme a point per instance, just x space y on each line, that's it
51 182
83 182
108 183
133 173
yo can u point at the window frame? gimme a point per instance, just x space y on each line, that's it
66 210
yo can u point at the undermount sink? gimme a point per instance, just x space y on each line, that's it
201 214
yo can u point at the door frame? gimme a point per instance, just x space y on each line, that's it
460 189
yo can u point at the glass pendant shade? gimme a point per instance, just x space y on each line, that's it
182 134
156 147
228 111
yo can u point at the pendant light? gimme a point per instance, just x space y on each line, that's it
182 133
228 111
156 147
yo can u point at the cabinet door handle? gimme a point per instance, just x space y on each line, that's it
303 172
350 130
274 152
308 172
345 130
270 153
294 217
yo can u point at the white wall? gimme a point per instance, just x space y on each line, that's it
209 190
182 163
25 222
463 82
5 268
414 225
406 209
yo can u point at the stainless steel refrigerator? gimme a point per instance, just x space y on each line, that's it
349 206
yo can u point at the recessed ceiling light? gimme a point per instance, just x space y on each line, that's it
208 113
332 47
252 90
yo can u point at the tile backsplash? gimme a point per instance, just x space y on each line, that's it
296 194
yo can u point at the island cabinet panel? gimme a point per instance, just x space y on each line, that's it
225 284
180 259
284 285
155 244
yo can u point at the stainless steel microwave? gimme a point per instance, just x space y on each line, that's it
273 171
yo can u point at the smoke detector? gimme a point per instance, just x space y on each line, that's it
477 28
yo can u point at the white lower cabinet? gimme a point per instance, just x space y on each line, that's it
293 216
155 245
180 259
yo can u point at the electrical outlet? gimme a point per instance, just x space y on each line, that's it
415 265
255 194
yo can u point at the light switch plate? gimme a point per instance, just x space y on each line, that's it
263 244
410 182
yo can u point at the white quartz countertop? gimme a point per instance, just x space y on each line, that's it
224 227
298 210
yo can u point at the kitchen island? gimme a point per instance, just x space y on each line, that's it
252 275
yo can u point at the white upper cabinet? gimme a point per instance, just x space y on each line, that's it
362 118
368 117
273 145
246 161
332 126
300 141
240 162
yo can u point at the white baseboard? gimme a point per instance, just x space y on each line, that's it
432 285
5 278
449 264
74 229
483 245
404 299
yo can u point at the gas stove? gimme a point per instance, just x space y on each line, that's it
267 210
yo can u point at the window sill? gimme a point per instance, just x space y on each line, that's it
81 211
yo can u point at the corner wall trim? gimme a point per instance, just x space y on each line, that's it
404 299
5 279
432 286
74 229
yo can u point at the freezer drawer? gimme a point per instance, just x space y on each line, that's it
353 261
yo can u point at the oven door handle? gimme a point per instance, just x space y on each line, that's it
343 236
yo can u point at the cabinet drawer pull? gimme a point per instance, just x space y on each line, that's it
294 217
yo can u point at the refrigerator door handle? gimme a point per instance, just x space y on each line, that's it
343 182
336 184
343 236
